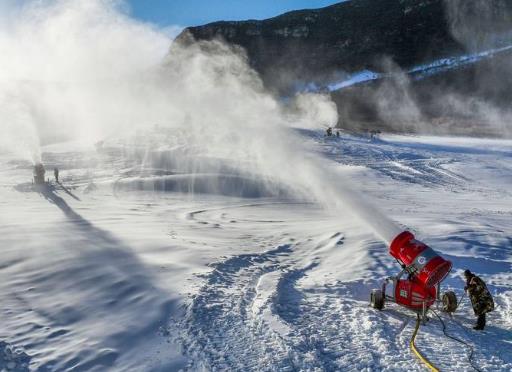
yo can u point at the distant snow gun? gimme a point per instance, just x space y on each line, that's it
424 270
39 173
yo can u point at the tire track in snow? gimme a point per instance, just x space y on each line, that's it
193 216
229 325
219 330
417 166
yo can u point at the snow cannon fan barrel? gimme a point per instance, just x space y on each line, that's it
39 173
419 259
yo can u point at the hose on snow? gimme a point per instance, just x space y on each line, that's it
471 350
415 350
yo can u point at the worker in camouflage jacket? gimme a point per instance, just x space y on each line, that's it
480 296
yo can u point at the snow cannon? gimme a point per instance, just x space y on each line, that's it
39 173
425 271
419 260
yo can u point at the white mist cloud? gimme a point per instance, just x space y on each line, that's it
314 110
395 103
482 25
85 70
62 65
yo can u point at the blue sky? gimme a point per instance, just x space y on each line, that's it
196 12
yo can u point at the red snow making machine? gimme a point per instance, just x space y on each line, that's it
424 270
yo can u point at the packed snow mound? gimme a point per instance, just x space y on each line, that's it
185 169
204 183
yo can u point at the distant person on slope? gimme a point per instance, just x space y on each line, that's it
56 174
480 296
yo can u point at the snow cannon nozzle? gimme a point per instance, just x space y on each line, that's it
399 241
419 260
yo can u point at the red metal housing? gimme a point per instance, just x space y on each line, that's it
419 259
412 294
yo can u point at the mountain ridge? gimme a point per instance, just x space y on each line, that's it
348 36
318 47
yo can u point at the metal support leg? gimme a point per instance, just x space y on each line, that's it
424 313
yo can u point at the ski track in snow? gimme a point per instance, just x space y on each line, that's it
417 167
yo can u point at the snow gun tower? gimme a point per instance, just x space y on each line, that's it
424 270
39 173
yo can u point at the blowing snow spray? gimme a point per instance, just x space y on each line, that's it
424 270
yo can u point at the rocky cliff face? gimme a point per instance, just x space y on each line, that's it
349 36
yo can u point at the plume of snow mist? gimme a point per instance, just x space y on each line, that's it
480 24
64 64
395 104
84 70
19 135
314 109
484 25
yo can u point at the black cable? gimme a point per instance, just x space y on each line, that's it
460 301
472 351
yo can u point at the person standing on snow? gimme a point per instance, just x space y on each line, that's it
480 296
56 174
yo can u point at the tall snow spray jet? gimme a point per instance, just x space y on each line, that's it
18 133
85 71
63 65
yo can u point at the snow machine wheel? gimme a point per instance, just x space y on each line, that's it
449 302
377 299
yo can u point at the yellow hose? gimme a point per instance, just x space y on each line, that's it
415 351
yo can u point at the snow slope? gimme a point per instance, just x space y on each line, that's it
418 72
113 271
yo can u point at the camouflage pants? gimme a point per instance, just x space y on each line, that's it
481 305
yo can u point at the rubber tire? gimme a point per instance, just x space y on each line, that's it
449 302
377 299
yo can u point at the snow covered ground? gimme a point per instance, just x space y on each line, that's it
120 269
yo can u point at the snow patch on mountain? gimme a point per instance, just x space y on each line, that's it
418 72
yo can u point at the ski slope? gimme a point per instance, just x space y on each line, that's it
121 269
418 72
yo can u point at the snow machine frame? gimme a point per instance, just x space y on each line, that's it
378 297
